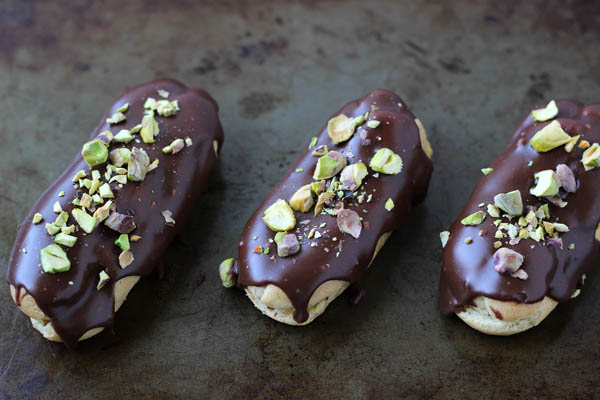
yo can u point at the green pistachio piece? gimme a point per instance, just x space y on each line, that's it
324 198
123 242
562 228
591 157
487 171
103 212
444 237
373 123
493 210
548 227
123 108
54 259
538 234
523 233
96 174
97 198
57 208
531 219
571 143
153 165
280 216
546 184
571 246
353 175
103 279
511 202
386 161
546 113
287 244
87 183
116 118
84 220
94 186
341 128
163 93
122 179
79 175
138 165
105 136
329 165
135 129
37 218
549 137
106 192
52 229
86 201
149 128
166 108
124 136
95 152
474 219
317 187
302 200
497 244
175 147
226 273
313 142
389 204
61 194
544 208
68 229
320 151
62 219
150 104
65 240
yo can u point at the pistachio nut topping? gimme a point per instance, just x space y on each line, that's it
566 178
549 137
571 143
138 165
62 219
79 175
84 220
149 128
168 216
279 217
373 123
507 261
65 239
52 229
348 222
95 152
487 171
162 93
166 108
444 237
386 161
103 279
68 229
153 165
324 199
226 273
389 204
54 259
105 136
103 212
116 118
547 184
37 218
493 210
353 175
120 156
318 187
546 113
511 202
474 219
329 165
341 128
120 222
125 259
124 136
584 144
313 142
123 108
591 157
123 242
57 208
320 151
287 244
106 192
175 147
188 142
302 200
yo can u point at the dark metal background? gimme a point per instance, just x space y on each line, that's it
470 70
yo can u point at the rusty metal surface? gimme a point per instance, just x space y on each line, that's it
469 70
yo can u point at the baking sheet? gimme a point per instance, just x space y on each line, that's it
469 70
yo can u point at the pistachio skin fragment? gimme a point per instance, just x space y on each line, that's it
54 259
225 272
549 137
280 217
302 200
386 161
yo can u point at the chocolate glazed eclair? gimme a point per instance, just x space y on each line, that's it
106 221
529 232
320 228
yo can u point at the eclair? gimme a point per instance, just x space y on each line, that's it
108 218
322 225
529 231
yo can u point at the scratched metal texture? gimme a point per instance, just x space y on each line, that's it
470 70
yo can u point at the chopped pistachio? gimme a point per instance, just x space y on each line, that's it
549 137
560 227
162 93
571 246
138 165
65 240
298 170
584 144
166 108
61 194
149 128
499 234
469 240
125 259
546 113
175 147
591 157
548 227
341 128
373 123
523 233
84 220
116 118
150 103
386 161
507 260
287 244
324 198
124 136
57 208
54 259
313 142
87 183
96 174
497 244
329 165
103 212
493 210
103 279
566 177
68 229
576 293
95 152
94 186
135 129
52 229
279 216
122 179
444 237
348 221
168 216
544 208
106 192
62 219
105 136
320 151
188 141
547 184
353 175
123 108
389 204
302 200
123 242
530 164
538 234
227 273
510 202
37 218
79 175
571 143
135 238
474 219
487 171
153 165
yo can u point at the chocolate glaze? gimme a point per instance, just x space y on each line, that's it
77 307
467 269
300 275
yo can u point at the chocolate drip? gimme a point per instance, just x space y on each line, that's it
70 299
467 269
346 258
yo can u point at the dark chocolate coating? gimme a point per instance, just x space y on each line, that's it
467 269
174 185
301 274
